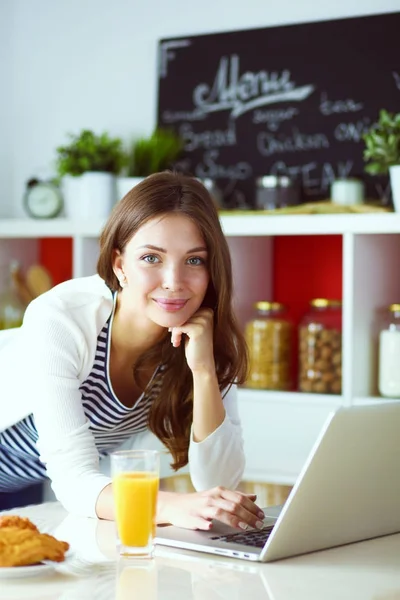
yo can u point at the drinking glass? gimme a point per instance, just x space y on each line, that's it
135 481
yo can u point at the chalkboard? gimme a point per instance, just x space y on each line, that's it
292 99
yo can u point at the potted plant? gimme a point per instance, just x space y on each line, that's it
382 151
150 155
88 166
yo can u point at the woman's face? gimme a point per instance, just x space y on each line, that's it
165 266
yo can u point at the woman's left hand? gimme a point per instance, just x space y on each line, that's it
196 510
199 340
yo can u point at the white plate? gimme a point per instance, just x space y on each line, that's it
26 571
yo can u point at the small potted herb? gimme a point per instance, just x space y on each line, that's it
382 151
88 166
150 155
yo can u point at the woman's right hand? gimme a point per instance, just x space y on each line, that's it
197 510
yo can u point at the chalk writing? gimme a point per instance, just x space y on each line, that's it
166 54
396 79
268 144
330 107
170 116
241 93
209 168
273 118
315 177
207 139
352 132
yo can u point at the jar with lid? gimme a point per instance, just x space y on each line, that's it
320 348
389 354
269 340
214 191
276 191
11 307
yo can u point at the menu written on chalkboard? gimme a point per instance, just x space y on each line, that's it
290 100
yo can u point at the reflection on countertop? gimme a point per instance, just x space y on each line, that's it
367 570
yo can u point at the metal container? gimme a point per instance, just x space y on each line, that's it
213 189
276 191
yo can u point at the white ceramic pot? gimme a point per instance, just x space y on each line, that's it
347 191
71 191
88 196
125 184
395 185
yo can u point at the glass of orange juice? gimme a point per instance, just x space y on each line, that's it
135 480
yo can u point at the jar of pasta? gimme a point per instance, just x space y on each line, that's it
11 307
389 354
320 348
268 337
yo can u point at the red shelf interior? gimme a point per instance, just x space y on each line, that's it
306 267
56 255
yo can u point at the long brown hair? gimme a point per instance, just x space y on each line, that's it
171 414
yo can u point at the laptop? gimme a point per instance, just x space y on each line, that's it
347 491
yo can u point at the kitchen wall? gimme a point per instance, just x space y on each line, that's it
92 63
6 21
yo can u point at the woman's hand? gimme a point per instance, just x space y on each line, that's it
196 510
199 341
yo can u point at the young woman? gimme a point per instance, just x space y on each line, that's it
150 342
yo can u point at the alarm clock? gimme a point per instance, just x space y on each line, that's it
42 199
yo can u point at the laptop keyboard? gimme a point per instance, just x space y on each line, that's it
248 538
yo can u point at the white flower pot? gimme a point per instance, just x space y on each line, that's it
71 191
125 184
88 196
395 185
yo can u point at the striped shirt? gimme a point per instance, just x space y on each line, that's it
111 423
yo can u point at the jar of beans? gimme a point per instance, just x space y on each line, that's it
269 339
320 348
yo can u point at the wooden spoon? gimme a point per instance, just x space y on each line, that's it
38 280
20 285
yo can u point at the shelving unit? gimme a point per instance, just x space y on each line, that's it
279 427
246 223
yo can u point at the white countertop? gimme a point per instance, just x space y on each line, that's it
368 570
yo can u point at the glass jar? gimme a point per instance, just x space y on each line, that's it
320 348
276 191
11 307
389 354
269 336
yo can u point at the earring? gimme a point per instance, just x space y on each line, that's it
122 282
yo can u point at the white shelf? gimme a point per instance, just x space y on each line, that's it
246 224
300 398
373 400
37 228
259 224
327 400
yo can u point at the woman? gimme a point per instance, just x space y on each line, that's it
149 342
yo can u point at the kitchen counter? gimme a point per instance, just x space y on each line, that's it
366 570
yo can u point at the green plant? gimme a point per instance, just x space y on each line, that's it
383 144
90 152
155 153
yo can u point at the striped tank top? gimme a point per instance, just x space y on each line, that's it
111 422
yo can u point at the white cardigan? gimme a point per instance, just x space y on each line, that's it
42 366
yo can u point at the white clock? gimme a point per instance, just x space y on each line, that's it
42 199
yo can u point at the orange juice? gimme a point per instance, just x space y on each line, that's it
135 498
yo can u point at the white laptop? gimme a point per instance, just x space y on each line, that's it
347 491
